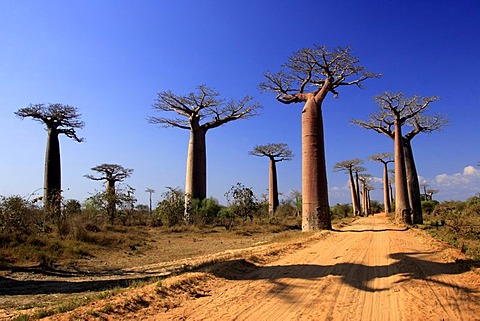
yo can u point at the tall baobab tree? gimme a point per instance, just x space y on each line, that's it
276 152
150 192
348 166
307 77
357 169
396 110
384 158
59 119
111 174
199 112
365 191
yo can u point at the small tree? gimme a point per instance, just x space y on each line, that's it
307 77
275 153
59 119
242 204
169 210
384 158
199 112
111 174
348 166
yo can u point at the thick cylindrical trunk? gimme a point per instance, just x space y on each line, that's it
364 200
111 200
315 209
354 193
272 188
196 173
357 186
52 176
413 185
386 190
402 206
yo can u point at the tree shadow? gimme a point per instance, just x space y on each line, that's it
407 266
372 230
70 281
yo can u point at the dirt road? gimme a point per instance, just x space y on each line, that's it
370 270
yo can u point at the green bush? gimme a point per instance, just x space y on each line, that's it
170 209
340 210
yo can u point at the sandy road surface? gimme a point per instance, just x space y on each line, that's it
370 270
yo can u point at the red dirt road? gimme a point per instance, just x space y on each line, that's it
370 270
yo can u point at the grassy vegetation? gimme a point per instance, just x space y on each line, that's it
457 223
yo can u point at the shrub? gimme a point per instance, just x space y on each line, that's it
170 209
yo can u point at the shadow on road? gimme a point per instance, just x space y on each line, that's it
372 230
407 266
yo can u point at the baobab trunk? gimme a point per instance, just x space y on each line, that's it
357 186
315 210
196 173
111 201
272 188
402 207
52 176
413 185
386 190
356 212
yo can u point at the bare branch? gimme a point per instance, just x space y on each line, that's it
275 151
202 105
308 70
62 118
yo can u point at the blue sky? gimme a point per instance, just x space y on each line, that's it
111 58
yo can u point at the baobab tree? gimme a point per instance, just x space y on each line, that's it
365 191
357 170
430 193
396 110
60 120
348 166
307 77
199 112
150 191
111 174
384 158
276 152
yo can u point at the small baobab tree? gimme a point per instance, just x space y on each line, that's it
111 174
199 112
430 193
150 192
348 166
307 77
366 187
357 170
396 110
384 158
276 152
60 120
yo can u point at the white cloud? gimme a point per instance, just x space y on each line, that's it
459 186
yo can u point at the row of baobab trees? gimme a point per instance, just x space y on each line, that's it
308 77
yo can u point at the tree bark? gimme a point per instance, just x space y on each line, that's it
272 188
402 206
111 200
357 186
353 189
413 186
53 174
196 173
315 210
386 189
